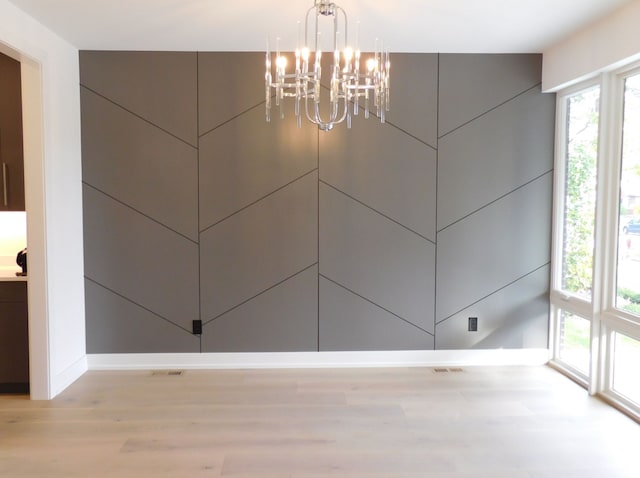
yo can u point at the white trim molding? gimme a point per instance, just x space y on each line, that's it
53 196
411 358
605 45
69 375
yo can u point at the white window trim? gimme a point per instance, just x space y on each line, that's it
605 318
560 299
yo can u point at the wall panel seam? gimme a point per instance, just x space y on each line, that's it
406 133
435 260
131 301
375 304
207 321
524 92
318 239
522 186
438 322
198 193
257 105
137 211
377 212
258 200
142 118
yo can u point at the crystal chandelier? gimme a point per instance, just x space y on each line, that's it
351 87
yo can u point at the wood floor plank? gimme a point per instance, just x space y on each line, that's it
493 422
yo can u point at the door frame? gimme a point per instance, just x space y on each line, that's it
34 178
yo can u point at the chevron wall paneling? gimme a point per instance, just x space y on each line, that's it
382 237
140 172
495 168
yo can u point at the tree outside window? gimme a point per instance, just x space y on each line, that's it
580 192
628 273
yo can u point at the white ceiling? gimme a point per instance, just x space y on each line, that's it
463 26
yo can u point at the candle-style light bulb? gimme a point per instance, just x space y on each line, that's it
371 64
348 54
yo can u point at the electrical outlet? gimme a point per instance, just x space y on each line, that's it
197 327
473 324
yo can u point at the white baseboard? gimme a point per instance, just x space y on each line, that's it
413 358
69 375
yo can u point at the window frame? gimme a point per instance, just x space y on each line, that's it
601 310
610 312
560 299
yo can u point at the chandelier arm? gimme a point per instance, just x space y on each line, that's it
348 84
306 25
316 118
335 32
344 111
306 111
346 24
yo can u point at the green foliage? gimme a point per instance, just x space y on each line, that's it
632 307
633 297
576 333
580 194
629 294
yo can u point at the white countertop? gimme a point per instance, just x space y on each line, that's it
13 279
8 274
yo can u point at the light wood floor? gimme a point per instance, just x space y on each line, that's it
514 422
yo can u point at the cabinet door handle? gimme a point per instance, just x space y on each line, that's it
5 195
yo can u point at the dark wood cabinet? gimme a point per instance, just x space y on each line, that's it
11 150
14 338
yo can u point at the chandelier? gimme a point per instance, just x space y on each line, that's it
351 86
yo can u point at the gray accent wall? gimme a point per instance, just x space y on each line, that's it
382 237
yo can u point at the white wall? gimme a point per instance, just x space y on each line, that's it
13 238
51 111
609 43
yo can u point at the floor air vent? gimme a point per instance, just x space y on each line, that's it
446 370
166 373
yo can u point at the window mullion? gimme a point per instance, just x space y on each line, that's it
605 231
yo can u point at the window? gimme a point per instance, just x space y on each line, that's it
595 293
574 228
628 270
581 157
626 367
574 341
